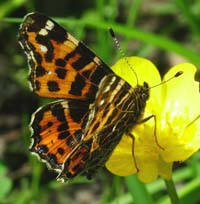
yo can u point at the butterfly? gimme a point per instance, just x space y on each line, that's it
76 134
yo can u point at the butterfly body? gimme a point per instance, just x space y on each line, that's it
77 134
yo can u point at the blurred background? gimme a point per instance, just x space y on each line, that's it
166 32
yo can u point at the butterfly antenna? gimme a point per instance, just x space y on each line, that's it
179 73
122 52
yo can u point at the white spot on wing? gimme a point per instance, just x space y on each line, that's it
113 79
43 48
49 25
49 72
102 102
114 127
106 89
73 39
43 32
65 105
97 60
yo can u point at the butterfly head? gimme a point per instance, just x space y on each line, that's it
142 94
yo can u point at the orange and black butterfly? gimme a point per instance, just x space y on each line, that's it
76 134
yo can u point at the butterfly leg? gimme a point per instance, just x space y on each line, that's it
133 147
155 133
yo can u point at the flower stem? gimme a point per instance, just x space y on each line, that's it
172 191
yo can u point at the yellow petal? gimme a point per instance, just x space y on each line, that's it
146 153
121 162
181 146
181 99
182 91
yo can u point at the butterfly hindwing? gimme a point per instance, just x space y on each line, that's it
58 129
60 65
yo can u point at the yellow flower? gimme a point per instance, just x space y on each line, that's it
176 105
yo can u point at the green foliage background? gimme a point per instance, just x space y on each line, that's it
167 32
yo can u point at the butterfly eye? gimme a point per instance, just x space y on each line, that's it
145 96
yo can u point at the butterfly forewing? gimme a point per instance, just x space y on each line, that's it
75 135
60 65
